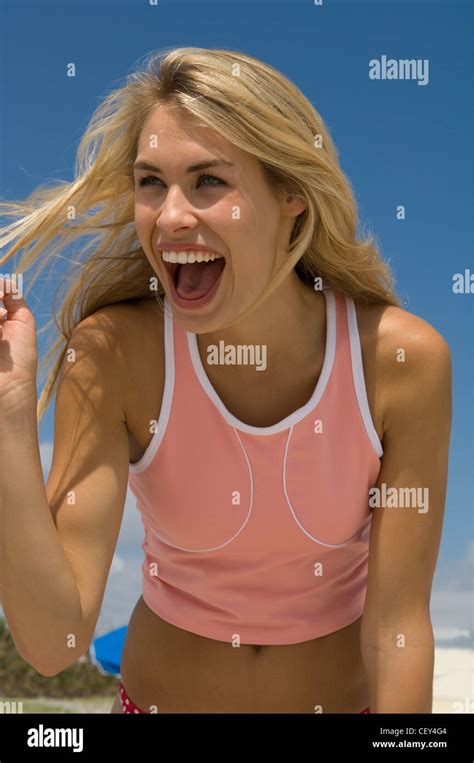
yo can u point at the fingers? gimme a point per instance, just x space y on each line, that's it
11 294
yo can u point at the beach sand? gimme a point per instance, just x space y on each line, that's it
453 681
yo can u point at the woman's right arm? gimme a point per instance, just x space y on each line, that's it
57 541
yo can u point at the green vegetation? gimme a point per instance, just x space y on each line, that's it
80 688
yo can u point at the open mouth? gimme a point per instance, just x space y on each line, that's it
195 280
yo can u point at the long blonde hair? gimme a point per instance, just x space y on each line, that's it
253 106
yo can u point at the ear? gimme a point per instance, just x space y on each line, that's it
292 203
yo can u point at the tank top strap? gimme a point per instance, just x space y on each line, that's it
178 362
342 360
349 364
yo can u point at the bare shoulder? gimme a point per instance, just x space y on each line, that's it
409 355
110 320
121 327
394 328
138 330
116 340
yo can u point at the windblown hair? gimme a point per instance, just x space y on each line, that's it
253 106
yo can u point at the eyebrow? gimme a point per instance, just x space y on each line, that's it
142 165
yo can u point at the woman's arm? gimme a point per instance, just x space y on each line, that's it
57 541
397 643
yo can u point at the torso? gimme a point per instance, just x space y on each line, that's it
179 671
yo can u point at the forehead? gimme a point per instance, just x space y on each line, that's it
175 128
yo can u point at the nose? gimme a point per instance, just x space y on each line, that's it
175 211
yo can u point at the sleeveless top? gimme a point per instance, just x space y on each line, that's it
259 535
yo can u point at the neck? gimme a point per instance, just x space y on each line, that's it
283 330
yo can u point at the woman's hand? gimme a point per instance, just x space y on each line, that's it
18 350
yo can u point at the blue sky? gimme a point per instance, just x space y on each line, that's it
400 143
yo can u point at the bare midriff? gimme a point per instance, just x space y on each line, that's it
169 670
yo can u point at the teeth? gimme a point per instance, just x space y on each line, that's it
189 256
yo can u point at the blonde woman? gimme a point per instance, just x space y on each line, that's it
232 350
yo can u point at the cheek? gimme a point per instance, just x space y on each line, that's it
236 220
144 223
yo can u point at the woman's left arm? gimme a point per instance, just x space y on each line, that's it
397 640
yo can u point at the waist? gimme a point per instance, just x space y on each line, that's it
274 599
181 671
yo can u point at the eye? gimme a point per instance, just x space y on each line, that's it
212 177
146 180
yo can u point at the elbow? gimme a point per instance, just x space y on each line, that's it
47 672
402 641
46 669
37 665
49 667
48 657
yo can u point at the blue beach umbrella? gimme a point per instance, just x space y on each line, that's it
105 651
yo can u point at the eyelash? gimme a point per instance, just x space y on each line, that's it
143 181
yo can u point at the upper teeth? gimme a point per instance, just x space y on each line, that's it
189 256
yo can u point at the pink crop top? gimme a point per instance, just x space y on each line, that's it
259 535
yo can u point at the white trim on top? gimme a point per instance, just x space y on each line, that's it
297 415
359 379
303 529
241 528
144 461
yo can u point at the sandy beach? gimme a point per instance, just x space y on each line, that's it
453 681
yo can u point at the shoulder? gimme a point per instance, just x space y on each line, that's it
107 341
395 329
412 359
111 316
115 328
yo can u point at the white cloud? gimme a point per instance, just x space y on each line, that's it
452 615
457 574
452 600
452 681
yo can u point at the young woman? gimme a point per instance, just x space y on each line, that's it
232 351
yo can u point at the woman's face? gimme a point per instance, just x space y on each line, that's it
228 208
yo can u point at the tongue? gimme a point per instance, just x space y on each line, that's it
195 280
